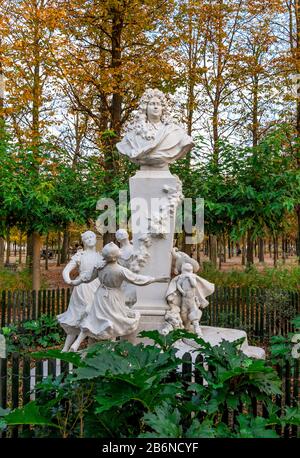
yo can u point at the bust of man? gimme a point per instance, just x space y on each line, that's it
153 140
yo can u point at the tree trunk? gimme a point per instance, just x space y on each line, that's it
243 251
261 255
65 247
47 252
283 253
58 248
296 52
199 253
287 248
275 258
2 250
187 247
36 255
298 230
213 249
7 257
107 238
224 247
20 248
206 248
250 257
29 251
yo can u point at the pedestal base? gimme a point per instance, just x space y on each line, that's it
212 335
147 323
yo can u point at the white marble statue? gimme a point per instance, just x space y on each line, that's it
153 139
126 260
179 258
82 295
109 317
186 297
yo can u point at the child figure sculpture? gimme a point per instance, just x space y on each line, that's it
108 317
82 295
186 298
190 311
125 260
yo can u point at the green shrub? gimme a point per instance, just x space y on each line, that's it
281 278
119 390
42 332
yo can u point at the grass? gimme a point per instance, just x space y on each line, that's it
282 278
17 280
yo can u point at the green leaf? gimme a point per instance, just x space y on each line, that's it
69 357
165 421
201 430
255 428
28 415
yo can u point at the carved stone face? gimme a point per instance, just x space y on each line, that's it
154 109
89 239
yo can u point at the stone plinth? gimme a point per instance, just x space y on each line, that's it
154 195
214 336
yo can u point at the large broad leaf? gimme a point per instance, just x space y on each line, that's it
201 430
255 428
69 357
28 415
115 394
296 322
100 365
138 365
167 341
165 421
292 416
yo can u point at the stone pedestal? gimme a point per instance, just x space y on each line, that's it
155 195
211 334
214 336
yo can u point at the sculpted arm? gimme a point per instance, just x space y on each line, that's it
68 269
193 281
142 279
179 287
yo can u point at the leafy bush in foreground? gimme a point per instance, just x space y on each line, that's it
122 390
42 332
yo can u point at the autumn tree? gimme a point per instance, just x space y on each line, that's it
288 26
29 96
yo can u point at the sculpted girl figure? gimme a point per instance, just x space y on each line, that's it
109 317
126 259
153 139
82 295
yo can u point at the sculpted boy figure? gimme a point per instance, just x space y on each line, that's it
186 296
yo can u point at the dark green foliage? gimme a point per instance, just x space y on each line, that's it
42 332
118 389
281 346
279 278
252 189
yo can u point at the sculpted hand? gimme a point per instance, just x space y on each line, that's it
76 282
162 279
